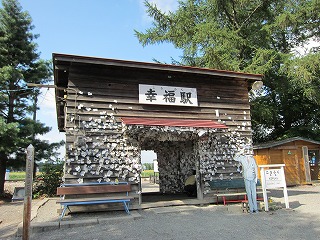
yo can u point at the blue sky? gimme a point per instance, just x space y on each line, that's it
99 28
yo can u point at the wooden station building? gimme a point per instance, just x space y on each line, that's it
193 118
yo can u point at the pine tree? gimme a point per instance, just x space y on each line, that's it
19 65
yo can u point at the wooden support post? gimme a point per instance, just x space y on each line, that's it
28 192
199 181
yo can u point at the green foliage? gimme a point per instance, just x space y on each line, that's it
48 180
304 72
254 36
8 136
43 149
147 166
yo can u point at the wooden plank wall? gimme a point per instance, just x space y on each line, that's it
229 96
290 154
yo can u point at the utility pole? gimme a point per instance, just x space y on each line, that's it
34 118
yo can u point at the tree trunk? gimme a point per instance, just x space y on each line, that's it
3 155
3 166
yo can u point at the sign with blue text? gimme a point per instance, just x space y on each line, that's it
168 95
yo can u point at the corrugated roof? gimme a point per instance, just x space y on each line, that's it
278 143
172 122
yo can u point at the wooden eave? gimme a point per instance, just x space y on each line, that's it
63 58
62 63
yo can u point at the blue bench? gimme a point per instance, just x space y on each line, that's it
94 192
231 188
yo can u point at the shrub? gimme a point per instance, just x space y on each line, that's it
48 180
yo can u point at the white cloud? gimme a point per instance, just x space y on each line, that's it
148 156
47 115
303 50
47 99
163 5
47 104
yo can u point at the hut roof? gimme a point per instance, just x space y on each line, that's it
281 142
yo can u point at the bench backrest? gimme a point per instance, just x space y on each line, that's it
93 189
235 183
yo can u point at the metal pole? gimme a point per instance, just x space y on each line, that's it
28 192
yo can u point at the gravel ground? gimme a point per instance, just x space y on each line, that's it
11 213
210 222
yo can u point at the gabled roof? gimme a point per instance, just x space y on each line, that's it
63 61
281 142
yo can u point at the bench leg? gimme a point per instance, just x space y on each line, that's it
64 211
224 201
126 207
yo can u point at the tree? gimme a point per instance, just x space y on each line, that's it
8 136
258 36
48 181
19 65
148 166
44 151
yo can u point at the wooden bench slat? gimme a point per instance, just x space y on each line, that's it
93 189
95 199
234 194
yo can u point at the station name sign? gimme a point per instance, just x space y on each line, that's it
168 95
274 178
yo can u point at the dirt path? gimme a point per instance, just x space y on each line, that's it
11 215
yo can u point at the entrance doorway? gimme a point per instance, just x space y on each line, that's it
150 174
314 164
174 163
292 167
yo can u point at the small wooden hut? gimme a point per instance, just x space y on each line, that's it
193 118
300 156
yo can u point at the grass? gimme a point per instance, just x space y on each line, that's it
148 173
17 175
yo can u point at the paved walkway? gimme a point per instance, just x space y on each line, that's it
302 221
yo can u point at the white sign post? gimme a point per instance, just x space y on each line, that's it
155 169
272 176
155 166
